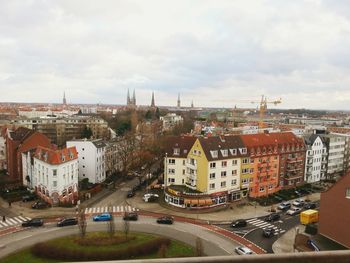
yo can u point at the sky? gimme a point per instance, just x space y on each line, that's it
218 53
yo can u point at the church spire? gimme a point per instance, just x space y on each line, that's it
152 101
64 98
128 98
134 98
178 101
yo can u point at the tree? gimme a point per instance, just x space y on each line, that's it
148 115
86 133
199 247
111 224
82 221
126 228
157 113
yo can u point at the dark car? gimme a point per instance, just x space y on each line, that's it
33 222
310 205
130 194
284 206
165 220
272 217
30 197
239 223
67 222
268 232
40 205
131 216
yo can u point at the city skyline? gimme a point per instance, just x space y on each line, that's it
215 54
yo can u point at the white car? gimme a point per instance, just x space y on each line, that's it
243 251
298 202
293 211
150 197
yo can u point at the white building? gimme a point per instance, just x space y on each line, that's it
55 175
3 164
170 121
316 159
91 155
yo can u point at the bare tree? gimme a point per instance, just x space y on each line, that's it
82 221
162 251
199 247
111 223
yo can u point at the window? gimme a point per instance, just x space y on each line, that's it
223 184
245 160
171 180
233 151
183 171
233 182
214 154
224 163
171 161
223 174
348 193
54 183
245 170
212 186
234 162
171 171
183 162
82 149
224 153
176 151
212 176
270 186
234 172
212 165
54 172
245 181
262 189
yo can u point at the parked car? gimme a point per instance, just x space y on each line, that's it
130 194
67 222
40 205
30 197
102 217
150 197
33 222
131 216
284 206
299 203
294 211
310 205
165 220
243 251
272 217
268 232
239 223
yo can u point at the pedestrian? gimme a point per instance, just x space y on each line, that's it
3 219
9 203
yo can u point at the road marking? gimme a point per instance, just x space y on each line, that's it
252 220
113 209
98 210
17 219
4 224
28 218
122 209
22 218
263 224
18 239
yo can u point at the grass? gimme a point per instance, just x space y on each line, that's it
176 248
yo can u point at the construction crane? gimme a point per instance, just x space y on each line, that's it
263 107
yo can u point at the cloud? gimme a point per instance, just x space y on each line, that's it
211 52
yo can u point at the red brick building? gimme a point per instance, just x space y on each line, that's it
18 141
334 220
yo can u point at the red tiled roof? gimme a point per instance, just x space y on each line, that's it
270 139
56 156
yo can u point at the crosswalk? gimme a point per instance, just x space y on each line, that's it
263 225
110 209
12 221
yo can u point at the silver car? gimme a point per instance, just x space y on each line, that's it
243 251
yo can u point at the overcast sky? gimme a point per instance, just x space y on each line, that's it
216 53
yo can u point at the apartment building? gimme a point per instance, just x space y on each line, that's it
55 176
61 129
170 120
336 148
316 159
91 157
346 163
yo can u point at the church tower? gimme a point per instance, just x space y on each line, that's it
64 98
178 101
134 99
128 99
153 105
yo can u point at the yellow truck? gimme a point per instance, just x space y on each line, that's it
309 216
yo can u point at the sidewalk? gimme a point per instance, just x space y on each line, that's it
229 214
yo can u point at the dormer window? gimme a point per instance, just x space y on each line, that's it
233 151
176 151
243 150
214 154
224 153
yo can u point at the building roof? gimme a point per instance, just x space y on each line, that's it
99 143
270 139
233 144
21 134
56 157
311 138
183 143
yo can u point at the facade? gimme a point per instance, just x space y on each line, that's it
170 121
316 159
276 162
55 176
60 130
91 156
346 165
3 163
19 141
113 162
335 212
335 147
